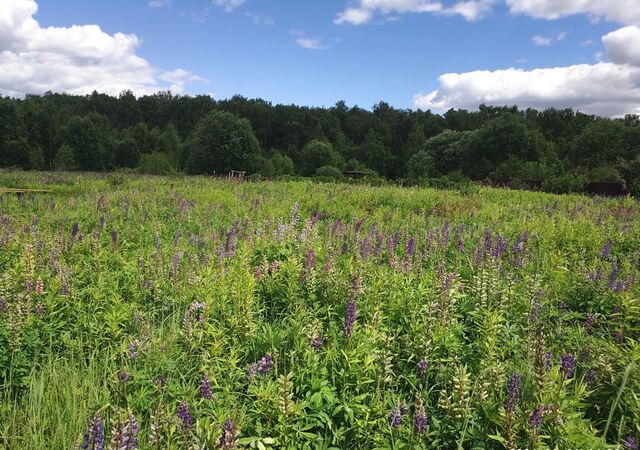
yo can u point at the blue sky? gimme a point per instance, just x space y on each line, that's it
297 51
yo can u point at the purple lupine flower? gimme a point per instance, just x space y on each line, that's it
64 288
422 366
513 391
317 342
123 375
125 435
134 346
309 260
265 365
595 276
93 438
567 365
535 420
228 440
613 274
205 387
160 381
185 416
114 238
411 247
421 420
252 371
590 377
548 356
606 249
395 418
74 230
630 443
349 318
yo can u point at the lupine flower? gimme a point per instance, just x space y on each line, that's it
252 371
93 438
567 365
395 418
265 365
535 420
134 346
74 230
184 416
421 419
606 249
349 318
160 381
317 342
590 377
309 260
124 376
64 288
205 387
630 443
39 287
513 391
229 438
411 246
124 435
422 366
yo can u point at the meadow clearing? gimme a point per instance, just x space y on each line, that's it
187 312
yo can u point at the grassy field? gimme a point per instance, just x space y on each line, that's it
193 313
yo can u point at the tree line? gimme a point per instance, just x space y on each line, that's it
165 133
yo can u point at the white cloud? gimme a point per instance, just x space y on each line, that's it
603 88
260 19
366 10
159 3
311 44
623 45
76 59
621 11
548 40
229 5
541 40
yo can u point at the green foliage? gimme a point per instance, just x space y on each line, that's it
297 314
64 159
317 154
329 172
155 164
221 142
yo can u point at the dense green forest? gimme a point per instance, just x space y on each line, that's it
165 133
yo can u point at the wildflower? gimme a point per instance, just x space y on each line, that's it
535 420
123 376
513 391
252 371
422 366
184 416
567 365
630 443
124 435
411 246
349 318
134 346
309 260
395 418
205 387
39 287
114 238
160 381
74 230
265 365
606 249
548 356
229 438
317 342
421 419
590 377
93 438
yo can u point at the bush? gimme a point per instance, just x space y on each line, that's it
329 172
155 164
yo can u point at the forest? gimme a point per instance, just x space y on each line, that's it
165 133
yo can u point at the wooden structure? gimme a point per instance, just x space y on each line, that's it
237 175
355 174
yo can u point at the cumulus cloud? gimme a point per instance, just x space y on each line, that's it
229 5
311 44
366 10
623 45
76 59
621 11
542 40
603 88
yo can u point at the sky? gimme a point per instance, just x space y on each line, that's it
417 54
